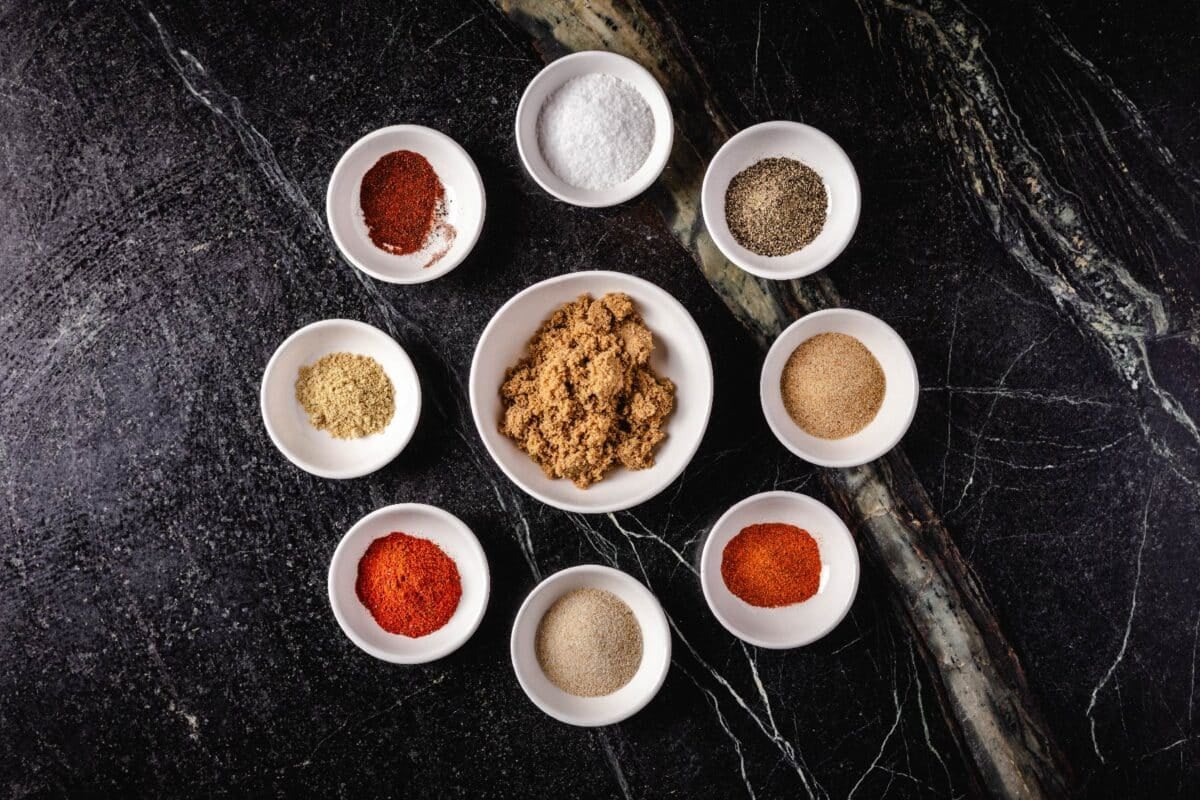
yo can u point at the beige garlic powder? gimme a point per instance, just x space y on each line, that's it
347 394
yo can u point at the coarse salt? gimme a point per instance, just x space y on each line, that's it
595 131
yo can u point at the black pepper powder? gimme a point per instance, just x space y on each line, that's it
776 206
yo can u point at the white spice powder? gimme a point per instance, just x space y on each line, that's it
589 643
595 131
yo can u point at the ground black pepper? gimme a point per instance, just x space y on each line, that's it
776 206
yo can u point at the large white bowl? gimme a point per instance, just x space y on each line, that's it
610 708
899 398
801 623
317 451
554 75
464 202
424 522
809 146
680 354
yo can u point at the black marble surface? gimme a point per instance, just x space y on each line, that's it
1030 225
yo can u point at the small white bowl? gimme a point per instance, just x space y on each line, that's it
554 75
424 522
610 708
801 623
899 397
464 202
783 139
317 451
680 353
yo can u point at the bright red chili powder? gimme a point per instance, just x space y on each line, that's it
410 586
401 198
772 564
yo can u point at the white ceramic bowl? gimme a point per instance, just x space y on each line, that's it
554 75
630 698
316 451
899 398
464 202
425 522
809 146
680 354
801 623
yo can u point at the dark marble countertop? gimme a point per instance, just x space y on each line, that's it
1030 224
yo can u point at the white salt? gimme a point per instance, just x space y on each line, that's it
595 131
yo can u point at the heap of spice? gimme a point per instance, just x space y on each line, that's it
589 643
347 394
772 564
403 204
595 131
776 206
832 386
410 586
584 399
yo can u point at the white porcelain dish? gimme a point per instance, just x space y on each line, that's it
809 146
554 75
316 451
899 397
801 623
426 522
630 698
465 202
680 354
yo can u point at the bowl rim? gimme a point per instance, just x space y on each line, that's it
367 467
660 621
473 398
446 264
709 206
472 542
706 555
767 381
633 189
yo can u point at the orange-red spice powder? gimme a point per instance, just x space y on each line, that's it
410 586
400 197
772 564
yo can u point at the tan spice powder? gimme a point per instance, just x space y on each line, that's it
589 643
584 399
776 206
347 394
832 385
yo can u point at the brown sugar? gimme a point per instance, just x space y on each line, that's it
584 399
832 386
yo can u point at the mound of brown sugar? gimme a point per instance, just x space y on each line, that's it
584 398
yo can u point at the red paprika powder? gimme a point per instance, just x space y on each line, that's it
402 201
772 564
410 586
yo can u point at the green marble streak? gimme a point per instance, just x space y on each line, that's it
982 688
